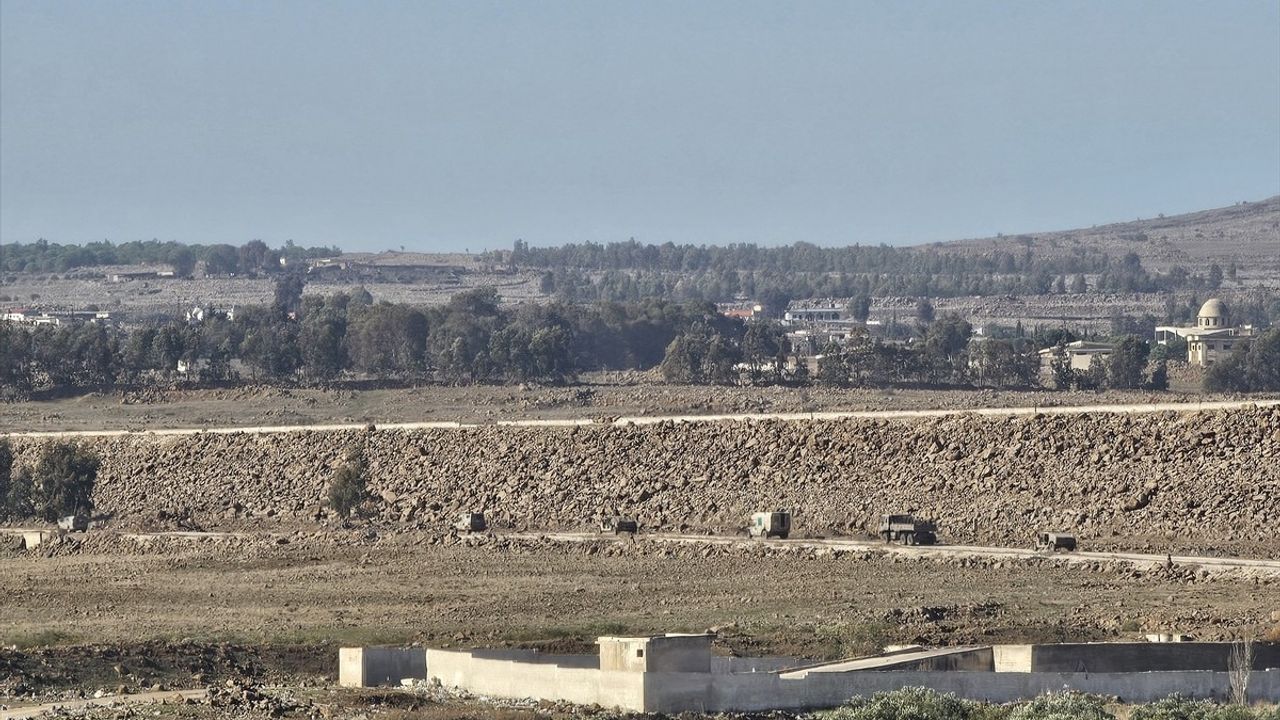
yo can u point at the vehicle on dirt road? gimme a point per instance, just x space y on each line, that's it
73 523
471 522
907 530
619 525
1055 541
770 524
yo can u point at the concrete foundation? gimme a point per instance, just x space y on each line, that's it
678 673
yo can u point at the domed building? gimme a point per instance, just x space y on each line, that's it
1211 338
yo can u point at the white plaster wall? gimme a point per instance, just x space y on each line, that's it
516 680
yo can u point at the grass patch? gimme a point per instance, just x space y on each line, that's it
49 637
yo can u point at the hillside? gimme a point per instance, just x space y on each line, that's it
1248 234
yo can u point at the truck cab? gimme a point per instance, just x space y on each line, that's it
770 524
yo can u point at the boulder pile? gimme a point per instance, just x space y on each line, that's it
1180 480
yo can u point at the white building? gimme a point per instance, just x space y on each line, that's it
1080 354
1212 338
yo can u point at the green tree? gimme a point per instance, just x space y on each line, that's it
1060 367
321 339
1079 285
719 359
348 489
1262 362
62 481
183 260
1127 365
682 362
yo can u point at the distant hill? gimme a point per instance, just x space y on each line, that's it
1248 234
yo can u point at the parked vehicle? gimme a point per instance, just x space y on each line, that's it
770 524
907 530
472 522
1055 541
619 525
73 523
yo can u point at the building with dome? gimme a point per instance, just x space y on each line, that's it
1212 338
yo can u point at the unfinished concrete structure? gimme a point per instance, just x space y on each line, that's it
672 673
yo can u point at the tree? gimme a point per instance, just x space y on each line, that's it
62 481
860 307
924 311
321 337
288 292
221 260
682 362
1159 376
719 359
348 490
1060 368
762 347
1215 276
183 260
1128 363
1079 285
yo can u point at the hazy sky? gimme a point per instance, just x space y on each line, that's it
449 125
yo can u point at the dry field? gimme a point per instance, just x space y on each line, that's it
598 395
279 611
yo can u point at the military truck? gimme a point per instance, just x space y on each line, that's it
770 524
1055 541
73 523
907 530
471 522
619 525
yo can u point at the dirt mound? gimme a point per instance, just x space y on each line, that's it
1200 481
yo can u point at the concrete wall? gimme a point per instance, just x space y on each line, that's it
1142 657
673 692
527 674
372 666
513 679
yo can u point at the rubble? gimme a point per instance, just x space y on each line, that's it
1182 482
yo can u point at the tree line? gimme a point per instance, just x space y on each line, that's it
59 483
472 339
220 259
587 272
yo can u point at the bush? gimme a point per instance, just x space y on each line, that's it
6 474
913 703
1062 706
1177 707
62 481
348 489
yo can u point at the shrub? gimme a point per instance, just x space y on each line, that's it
1062 706
913 703
6 473
62 481
348 489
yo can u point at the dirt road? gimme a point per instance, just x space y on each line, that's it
1212 564
653 419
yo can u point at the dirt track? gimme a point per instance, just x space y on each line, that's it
1152 407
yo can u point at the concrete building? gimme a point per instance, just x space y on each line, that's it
1212 338
1080 354
675 673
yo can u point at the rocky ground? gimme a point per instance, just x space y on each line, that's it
1206 482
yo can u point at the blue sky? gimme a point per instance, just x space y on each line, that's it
452 125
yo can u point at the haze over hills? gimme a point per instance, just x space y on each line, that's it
1247 233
